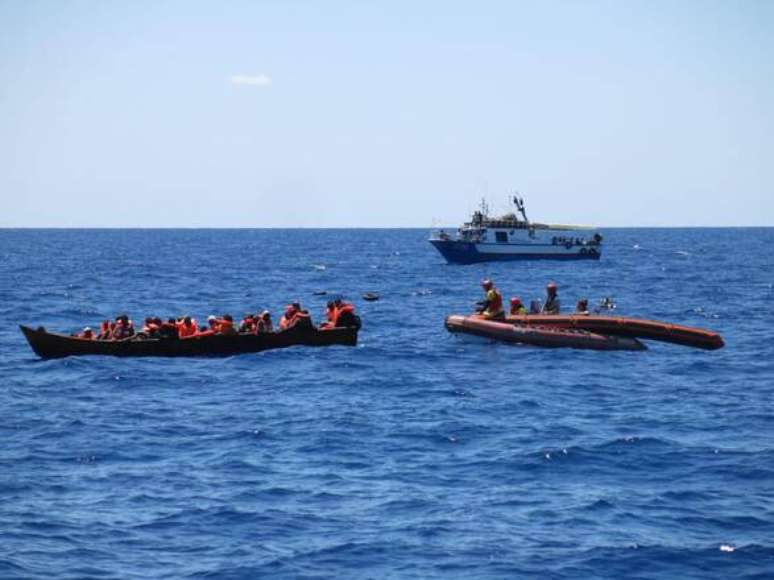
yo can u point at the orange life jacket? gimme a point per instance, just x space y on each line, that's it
345 308
226 327
184 330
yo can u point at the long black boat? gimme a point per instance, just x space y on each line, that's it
53 345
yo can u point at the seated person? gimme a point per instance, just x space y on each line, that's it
330 315
150 328
247 324
86 333
295 317
492 306
345 314
287 318
124 328
105 331
263 322
582 307
186 327
517 307
168 329
226 325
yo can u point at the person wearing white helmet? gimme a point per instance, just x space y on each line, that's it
551 305
493 302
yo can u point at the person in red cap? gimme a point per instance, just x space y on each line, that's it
551 305
493 301
517 306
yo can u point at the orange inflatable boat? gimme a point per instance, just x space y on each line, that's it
544 336
625 327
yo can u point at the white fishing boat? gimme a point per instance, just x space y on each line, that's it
485 238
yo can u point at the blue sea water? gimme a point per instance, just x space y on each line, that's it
416 454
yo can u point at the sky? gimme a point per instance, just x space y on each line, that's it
385 114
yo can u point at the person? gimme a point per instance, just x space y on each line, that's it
168 329
551 305
287 318
517 306
493 301
295 317
105 332
186 327
330 315
247 324
86 333
263 322
210 329
124 328
150 328
344 314
582 307
226 325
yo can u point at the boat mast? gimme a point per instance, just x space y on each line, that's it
519 203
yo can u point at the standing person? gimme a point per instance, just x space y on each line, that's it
493 301
551 305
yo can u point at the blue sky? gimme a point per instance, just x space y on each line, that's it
272 114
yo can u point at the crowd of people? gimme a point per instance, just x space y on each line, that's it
338 313
492 306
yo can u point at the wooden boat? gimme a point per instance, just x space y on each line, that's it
52 345
627 327
544 336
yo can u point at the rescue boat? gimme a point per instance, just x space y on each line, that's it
625 327
543 336
53 345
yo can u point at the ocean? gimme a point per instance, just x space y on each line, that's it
416 454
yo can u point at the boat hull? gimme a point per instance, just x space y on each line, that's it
462 252
627 327
52 345
542 336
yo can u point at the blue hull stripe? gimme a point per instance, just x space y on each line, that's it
467 253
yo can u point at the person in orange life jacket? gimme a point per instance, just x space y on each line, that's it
186 327
247 324
124 328
493 302
295 316
330 315
287 319
551 305
104 331
226 325
517 307
345 314
263 322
